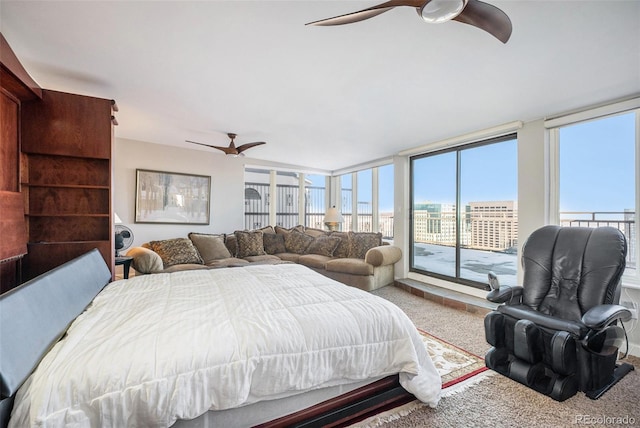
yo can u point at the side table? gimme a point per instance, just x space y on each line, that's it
126 264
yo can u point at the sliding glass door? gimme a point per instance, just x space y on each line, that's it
464 213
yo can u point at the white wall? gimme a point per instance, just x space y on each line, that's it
227 187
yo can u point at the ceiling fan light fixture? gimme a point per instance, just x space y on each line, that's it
438 11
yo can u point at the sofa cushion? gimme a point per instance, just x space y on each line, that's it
284 230
342 250
313 260
249 243
289 257
274 243
231 243
262 258
267 230
297 242
361 242
350 266
184 266
230 262
176 251
210 247
315 232
324 245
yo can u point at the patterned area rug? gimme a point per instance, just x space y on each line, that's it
455 365
458 369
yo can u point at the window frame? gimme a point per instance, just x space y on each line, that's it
457 279
553 126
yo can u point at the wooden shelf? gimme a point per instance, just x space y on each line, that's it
66 186
66 179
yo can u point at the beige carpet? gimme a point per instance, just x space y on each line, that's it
498 401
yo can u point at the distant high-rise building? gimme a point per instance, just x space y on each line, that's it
487 225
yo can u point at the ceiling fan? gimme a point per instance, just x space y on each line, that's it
473 12
232 149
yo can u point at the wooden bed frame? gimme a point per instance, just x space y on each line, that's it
35 315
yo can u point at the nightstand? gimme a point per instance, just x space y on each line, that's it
126 264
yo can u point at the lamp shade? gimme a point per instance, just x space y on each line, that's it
333 216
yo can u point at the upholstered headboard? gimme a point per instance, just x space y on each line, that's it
36 314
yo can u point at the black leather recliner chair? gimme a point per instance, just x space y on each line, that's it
558 333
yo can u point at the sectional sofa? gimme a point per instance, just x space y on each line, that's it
359 259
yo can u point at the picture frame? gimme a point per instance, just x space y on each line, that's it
172 197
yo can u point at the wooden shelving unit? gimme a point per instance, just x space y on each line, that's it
66 179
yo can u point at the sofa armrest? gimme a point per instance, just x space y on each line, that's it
145 260
383 255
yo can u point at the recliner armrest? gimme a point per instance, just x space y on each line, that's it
602 315
505 293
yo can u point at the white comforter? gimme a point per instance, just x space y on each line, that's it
157 348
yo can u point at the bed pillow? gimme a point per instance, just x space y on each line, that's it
361 242
210 247
176 251
274 243
324 245
297 242
249 243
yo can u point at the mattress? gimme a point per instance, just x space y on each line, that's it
155 349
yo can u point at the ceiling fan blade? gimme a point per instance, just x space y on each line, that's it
488 18
246 146
361 15
227 150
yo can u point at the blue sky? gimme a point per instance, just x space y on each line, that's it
596 170
597 165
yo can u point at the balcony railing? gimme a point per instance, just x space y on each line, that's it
624 221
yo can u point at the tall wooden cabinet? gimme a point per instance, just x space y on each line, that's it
66 178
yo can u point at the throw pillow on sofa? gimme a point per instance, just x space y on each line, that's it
284 231
210 247
343 248
297 242
324 245
249 243
361 242
274 243
176 251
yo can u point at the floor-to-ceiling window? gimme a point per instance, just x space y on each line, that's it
315 200
366 200
597 169
385 201
283 190
464 213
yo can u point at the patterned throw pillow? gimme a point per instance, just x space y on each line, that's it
324 245
361 242
297 242
176 251
249 243
284 231
342 251
210 247
267 229
274 243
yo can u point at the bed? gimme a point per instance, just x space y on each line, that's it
233 346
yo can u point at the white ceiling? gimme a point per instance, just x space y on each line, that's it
323 97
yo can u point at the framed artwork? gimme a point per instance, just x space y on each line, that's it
172 197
